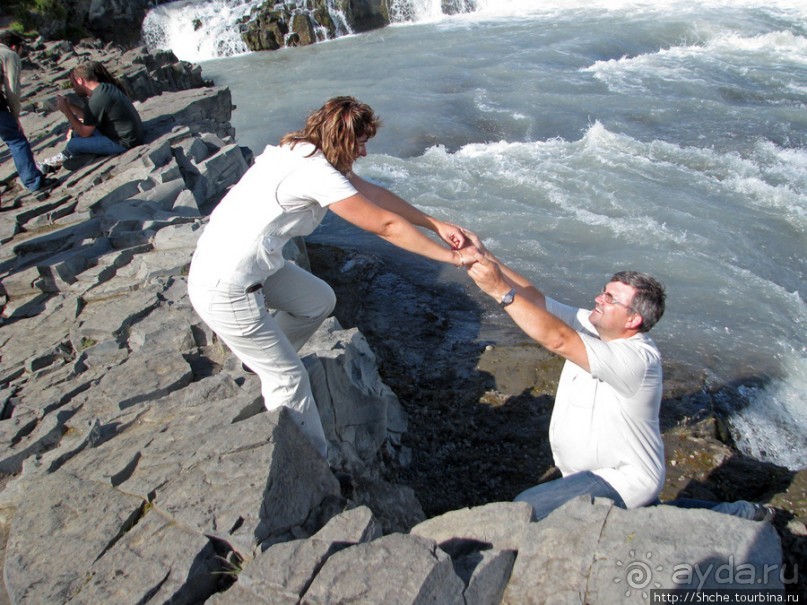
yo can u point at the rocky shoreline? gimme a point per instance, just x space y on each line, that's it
138 466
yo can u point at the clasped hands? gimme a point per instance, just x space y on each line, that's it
481 265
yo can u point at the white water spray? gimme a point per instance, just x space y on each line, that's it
197 31
408 11
200 30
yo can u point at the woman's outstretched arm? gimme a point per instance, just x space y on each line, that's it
384 198
395 228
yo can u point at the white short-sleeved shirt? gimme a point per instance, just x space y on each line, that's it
283 195
607 421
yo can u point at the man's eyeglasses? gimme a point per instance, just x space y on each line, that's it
609 300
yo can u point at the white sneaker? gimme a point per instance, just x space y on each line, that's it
763 512
52 164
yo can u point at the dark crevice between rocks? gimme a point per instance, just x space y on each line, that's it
330 506
466 555
67 397
229 561
34 306
63 351
25 430
180 383
238 523
83 444
250 410
201 366
126 472
334 548
155 589
133 519
122 333
97 435
13 461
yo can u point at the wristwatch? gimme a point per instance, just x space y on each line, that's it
508 298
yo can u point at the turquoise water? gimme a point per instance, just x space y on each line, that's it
589 137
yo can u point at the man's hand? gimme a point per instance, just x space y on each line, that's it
473 240
530 314
75 118
62 104
487 274
467 255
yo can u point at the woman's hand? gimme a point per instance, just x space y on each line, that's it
466 256
473 240
451 234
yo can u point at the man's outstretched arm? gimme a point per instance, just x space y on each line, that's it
528 309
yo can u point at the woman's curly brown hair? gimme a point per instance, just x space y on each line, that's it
335 130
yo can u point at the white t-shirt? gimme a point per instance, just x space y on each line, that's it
283 195
607 421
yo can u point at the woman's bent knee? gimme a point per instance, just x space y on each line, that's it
327 303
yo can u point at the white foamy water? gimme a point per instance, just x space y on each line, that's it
585 137
196 31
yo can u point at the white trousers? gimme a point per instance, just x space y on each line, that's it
268 342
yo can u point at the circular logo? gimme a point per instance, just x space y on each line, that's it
638 574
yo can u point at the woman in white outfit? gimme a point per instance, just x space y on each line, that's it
238 262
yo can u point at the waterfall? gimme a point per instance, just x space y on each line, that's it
405 11
200 30
197 31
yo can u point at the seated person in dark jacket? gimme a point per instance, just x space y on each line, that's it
107 124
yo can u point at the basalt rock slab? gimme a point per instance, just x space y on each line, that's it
60 528
397 568
598 553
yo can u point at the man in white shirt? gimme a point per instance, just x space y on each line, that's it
604 430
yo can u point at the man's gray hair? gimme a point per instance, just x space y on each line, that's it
648 301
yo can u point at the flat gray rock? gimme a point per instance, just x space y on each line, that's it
60 528
397 568
157 560
498 525
599 553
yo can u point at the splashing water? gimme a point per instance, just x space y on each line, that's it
196 31
407 11
201 30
